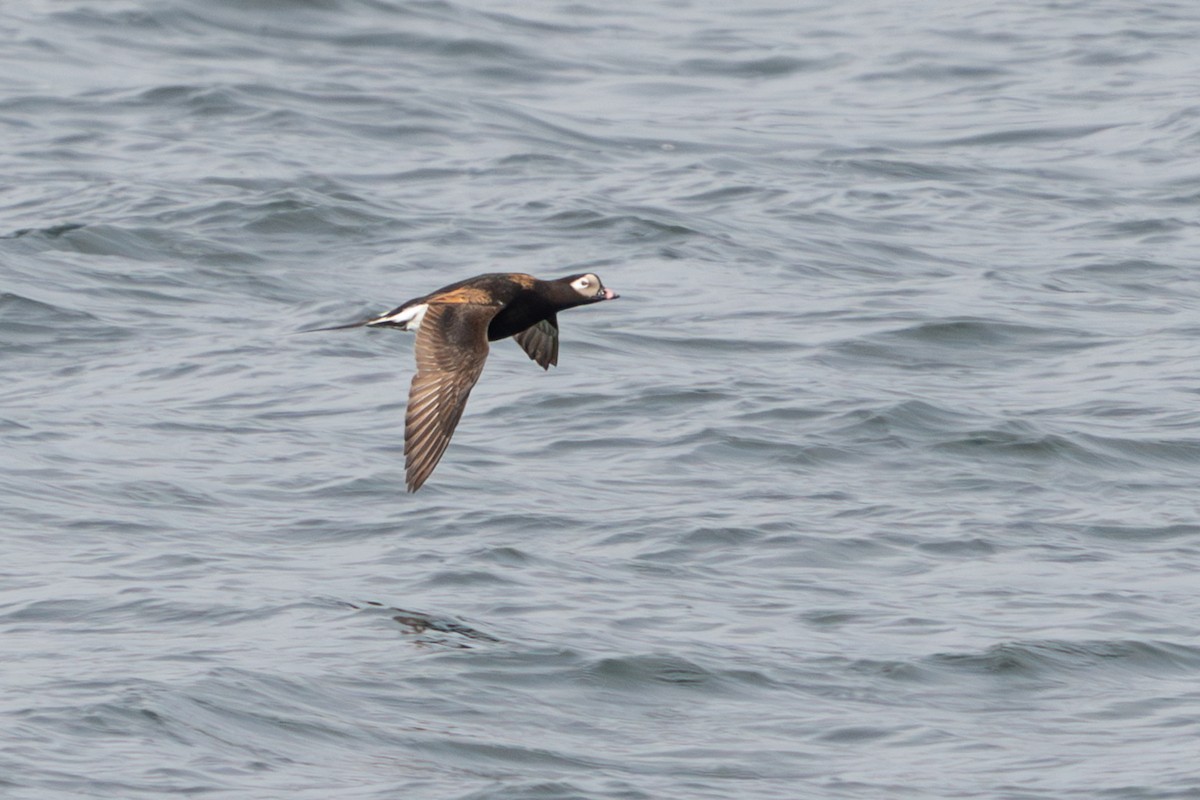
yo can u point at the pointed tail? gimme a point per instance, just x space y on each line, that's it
358 324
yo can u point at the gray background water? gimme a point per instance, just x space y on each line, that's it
880 480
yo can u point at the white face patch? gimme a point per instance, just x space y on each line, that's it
409 319
586 285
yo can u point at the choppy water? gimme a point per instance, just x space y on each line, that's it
880 480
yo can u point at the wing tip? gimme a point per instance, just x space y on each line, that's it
416 475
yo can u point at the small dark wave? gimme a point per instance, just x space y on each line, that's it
963 341
123 614
905 169
706 344
464 579
197 100
25 314
1148 229
49 232
915 418
771 67
1060 659
974 333
1184 450
1144 533
284 215
937 73
1145 278
1020 136
728 195
164 494
141 243
1021 442
652 674
627 226
1025 441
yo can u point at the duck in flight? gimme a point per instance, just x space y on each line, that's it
453 327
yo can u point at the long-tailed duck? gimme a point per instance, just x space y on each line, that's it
453 327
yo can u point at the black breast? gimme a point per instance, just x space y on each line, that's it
525 310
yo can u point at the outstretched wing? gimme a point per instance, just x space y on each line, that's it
540 342
451 348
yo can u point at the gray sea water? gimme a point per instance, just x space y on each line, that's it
879 481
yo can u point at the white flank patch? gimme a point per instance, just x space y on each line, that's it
409 319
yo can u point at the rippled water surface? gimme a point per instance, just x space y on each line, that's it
880 479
